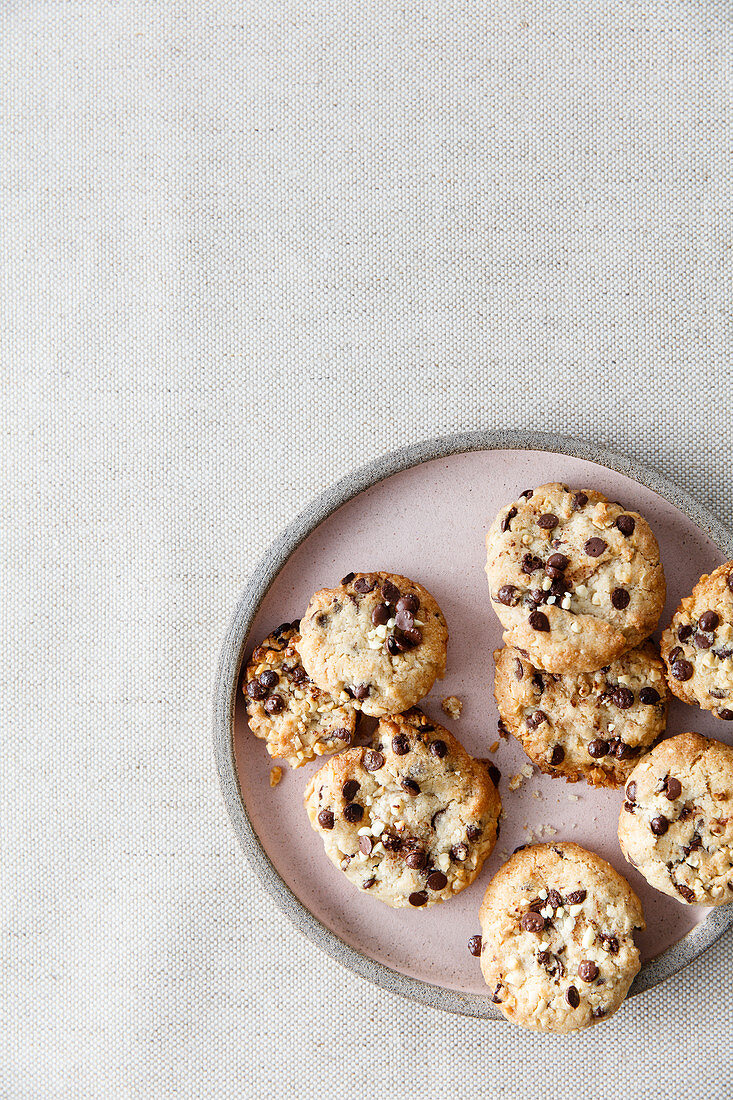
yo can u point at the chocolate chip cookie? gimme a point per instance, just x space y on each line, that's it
697 647
587 725
411 819
575 579
558 951
296 719
676 825
378 637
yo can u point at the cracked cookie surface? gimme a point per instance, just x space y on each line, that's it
588 725
296 720
697 646
378 637
676 825
411 819
557 949
575 579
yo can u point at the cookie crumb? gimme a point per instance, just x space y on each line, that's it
573 798
276 775
452 706
516 782
494 747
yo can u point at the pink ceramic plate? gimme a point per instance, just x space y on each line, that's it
428 521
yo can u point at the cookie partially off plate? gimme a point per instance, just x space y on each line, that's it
430 507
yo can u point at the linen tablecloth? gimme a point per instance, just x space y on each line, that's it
246 247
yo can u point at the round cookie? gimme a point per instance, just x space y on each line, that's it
379 637
676 826
575 579
697 647
410 820
557 924
591 725
296 719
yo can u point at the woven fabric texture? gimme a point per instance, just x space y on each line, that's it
246 247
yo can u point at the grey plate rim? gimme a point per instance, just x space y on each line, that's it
656 970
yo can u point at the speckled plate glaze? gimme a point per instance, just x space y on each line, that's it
423 511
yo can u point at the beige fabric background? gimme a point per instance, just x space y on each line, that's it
246 247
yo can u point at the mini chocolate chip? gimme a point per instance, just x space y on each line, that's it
373 761
416 859
610 943
255 690
410 786
363 585
400 745
269 678
326 819
554 899
404 620
438 748
420 897
557 755
623 697
531 563
673 788
572 996
682 670
725 714
508 519
579 501
437 880
577 897
348 578
587 970
381 614
532 922
390 592
365 845
274 704
474 945
350 788
595 547
548 521
558 561
598 748
354 812
361 691
473 832
626 525
536 719
507 595
391 843
539 621
659 825
685 891
408 602
459 852
648 696
620 598
675 654
708 620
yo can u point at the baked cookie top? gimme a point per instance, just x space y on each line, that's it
558 951
296 719
588 725
676 826
575 579
697 646
378 637
411 819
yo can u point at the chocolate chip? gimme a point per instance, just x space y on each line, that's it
381 614
539 621
708 620
558 561
587 970
392 645
577 897
472 831
532 922
350 788
459 853
518 669
404 620
702 641
420 897
579 501
412 637
682 670
725 714
531 563
595 547
548 521
508 519
676 653
365 845
408 602
508 595
610 943
623 697
629 807
684 632
598 748
536 719
437 880
685 891
416 859
598 1012
373 760
354 812
527 493
474 945
326 819
274 704
340 734
348 578
538 682
438 748
659 825
557 755
620 598
673 788
724 652
391 843
626 525
554 899
361 691
363 585
269 679
572 996
299 675
631 791
390 592
495 995
730 580
694 844
255 690
410 786
648 696
368 883
400 745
